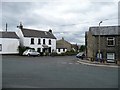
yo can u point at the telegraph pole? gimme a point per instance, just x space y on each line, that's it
99 41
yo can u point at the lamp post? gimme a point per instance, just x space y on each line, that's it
99 41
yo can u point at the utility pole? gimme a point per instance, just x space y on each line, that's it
99 41
6 27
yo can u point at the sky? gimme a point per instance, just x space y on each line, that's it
67 18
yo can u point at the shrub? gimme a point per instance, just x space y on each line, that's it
54 54
69 53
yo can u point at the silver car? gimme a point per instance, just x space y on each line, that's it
31 52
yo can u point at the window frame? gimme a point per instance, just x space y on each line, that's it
113 56
44 41
58 49
49 41
111 39
32 42
39 41
38 49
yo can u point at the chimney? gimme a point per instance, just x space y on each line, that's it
50 30
6 27
21 26
62 38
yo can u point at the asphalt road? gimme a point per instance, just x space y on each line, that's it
55 72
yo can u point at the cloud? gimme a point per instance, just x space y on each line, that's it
67 18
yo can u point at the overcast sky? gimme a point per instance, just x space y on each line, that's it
67 18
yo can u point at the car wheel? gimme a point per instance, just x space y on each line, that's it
28 54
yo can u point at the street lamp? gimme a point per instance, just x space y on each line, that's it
99 41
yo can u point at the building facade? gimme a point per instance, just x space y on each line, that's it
62 46
108 43
9 43
41 41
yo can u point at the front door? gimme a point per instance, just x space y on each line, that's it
49 49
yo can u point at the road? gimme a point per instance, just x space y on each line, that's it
55 72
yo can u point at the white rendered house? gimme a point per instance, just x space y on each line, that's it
9 42
41 41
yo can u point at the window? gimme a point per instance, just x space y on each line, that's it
39 41
0 47
111 41
38 49
58 49
63 49
43 41
49 42
32 40
110 56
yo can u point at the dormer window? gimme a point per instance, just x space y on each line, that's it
32 40
111 41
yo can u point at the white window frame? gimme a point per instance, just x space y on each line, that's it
49 42
39 41
59 49
111 39
32 42
110 57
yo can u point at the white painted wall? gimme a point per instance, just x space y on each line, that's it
61 51
20 35
27 42
9 45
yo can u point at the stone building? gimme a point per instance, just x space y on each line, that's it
63 46
109 43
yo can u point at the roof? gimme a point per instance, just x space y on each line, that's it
37 33
61 46
105 30
8 35
61 43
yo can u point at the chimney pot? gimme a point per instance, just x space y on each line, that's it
50 30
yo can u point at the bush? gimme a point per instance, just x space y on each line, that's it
54 54
69 53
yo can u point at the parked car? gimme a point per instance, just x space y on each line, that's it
80 55
31 52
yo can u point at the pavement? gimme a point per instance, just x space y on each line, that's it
96 63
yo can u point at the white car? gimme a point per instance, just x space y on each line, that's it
80 55
31 52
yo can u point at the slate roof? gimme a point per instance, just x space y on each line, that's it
61 43
8 35
61 46
37 33
105 30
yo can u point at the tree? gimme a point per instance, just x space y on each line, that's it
82 48
21 49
